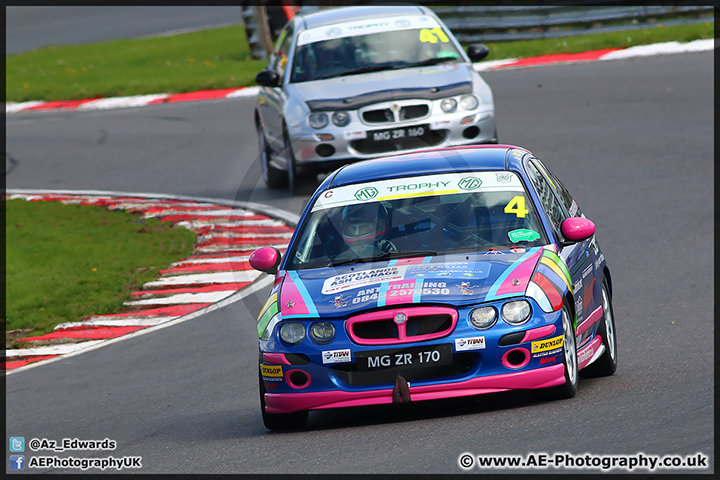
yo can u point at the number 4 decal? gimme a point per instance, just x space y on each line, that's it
429 35
517 206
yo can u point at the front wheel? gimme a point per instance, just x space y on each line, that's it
570 361
273 177
280 421
292 174
607 363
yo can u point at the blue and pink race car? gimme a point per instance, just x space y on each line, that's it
445 273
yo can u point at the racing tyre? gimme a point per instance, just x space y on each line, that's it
292 176
570 360
273 177
280 421
607 363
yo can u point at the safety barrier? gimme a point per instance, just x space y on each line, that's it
498 23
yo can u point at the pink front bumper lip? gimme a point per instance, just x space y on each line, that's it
531 379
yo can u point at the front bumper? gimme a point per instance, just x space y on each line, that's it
316 149
529 379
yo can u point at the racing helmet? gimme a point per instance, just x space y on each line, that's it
367 221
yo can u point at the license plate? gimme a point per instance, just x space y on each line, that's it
415 357
379 136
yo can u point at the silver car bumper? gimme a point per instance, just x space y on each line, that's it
361 140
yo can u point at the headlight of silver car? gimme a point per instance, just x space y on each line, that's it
516 312
448 105
322 332
483 317
318 120
469 102
292 333
341 119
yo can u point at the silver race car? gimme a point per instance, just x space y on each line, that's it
353 83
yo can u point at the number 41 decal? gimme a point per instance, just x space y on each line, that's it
517 206
429 35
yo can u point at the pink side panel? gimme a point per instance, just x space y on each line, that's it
531 379
585 354
276 358
591 320
539 332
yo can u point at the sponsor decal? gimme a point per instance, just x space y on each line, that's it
586 354
271 370
340 301
336 356
352 280
548 344
547 352
472 343
470 183
504 177
599 261
367 193
523 235
465 288
354 134
441 184
548 360
587 271
365 27
588 294
573 209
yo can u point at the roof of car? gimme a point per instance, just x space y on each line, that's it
344 14
453 159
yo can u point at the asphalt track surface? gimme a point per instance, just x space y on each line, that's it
632 140
31 27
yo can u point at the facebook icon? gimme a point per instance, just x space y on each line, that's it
17 462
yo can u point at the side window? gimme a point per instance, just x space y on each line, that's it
282 51
571 205
549 202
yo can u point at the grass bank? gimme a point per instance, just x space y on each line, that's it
220 58
64 262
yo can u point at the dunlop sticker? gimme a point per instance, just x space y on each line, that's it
549 344
271 370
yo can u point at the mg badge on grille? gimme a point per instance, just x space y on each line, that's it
400 318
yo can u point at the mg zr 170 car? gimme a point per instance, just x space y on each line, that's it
438 274
361 82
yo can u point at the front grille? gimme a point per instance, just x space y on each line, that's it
378 116
462 363
422 323
386 115
427 325
413 111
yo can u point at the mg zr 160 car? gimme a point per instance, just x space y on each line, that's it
361 82
444 273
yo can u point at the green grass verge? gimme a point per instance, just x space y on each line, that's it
220 58
64 262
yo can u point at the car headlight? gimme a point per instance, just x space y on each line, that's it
516 312
341 119
469 102
448 105
483 317
292 333
322 332
318 120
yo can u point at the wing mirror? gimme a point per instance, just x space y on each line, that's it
477 51
266 259
267 78
577 229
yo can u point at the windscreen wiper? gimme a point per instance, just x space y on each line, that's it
404 254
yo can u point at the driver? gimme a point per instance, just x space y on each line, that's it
329 58
365 226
